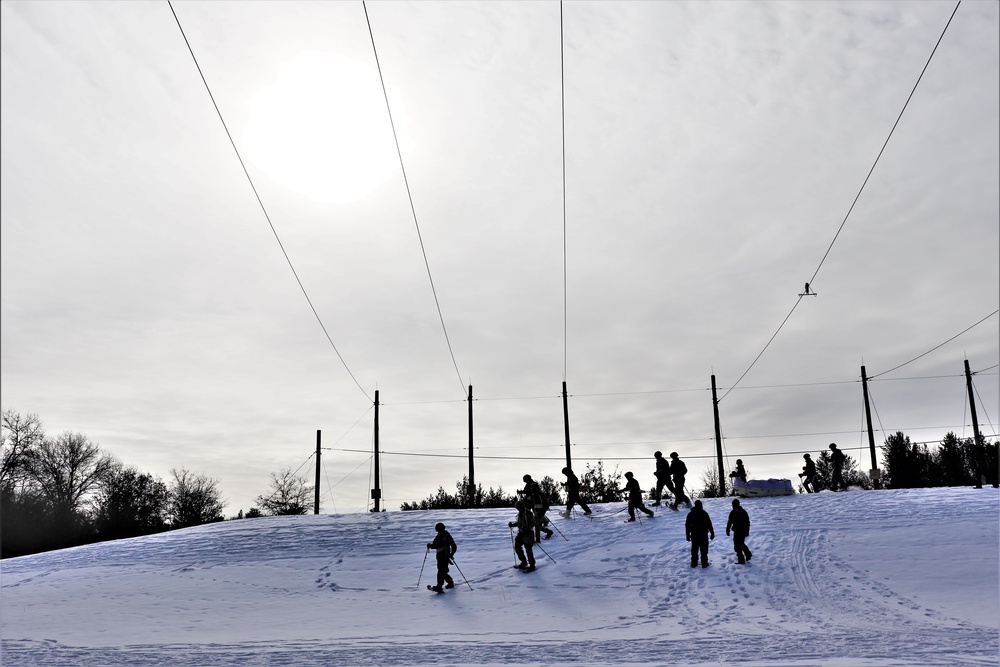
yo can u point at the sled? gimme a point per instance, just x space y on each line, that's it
759 488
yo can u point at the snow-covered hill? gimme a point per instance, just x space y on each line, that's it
903 578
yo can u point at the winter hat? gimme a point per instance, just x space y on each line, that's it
439 527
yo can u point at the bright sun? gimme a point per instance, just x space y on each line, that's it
322 129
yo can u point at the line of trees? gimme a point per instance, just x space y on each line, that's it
64 491
596 486
956 462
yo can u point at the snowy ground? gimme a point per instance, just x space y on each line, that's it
902 578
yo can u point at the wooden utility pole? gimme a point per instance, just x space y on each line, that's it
565 397
874 472
972 405
471 489
316 490
977 437
718 441
377 491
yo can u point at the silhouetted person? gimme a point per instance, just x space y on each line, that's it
808 475
739 523
572 485
532 494
837 463
634 497
525 537
444 545
698 527
678 470
662 477
740 472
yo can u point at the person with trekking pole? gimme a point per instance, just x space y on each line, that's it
662 475
677 471
572 485
525 537
532 496
444 545
634 497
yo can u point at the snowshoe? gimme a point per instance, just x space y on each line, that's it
530 568
436 589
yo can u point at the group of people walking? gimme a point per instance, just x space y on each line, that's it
808 474
531 522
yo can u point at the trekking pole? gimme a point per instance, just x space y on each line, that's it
512 545
461 573
545 552
557 530
422 565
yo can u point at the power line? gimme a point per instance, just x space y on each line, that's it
768 344
812 280
261 203
937 346
409 196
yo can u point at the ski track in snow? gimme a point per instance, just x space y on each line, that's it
823 588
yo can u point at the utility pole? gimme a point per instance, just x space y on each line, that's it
977 436
471 489
565 397
377 491
718 441
874 472
316 497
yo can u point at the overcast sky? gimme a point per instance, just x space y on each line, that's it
712 151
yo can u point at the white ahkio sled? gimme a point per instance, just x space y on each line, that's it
759 488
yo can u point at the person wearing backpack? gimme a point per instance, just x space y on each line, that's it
697 527
837 464
678 470
739 524
525 537
532 495
662 477
445 548
572 485
808 474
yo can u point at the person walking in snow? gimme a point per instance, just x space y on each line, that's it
525 537
532 494
678 470
698 527
739 524
662 477
808 474
634 497
445 547
572 485
837 464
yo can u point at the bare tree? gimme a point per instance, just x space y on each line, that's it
67 470
21 435
290 494
130 503
194 499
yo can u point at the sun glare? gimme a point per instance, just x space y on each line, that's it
322 129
